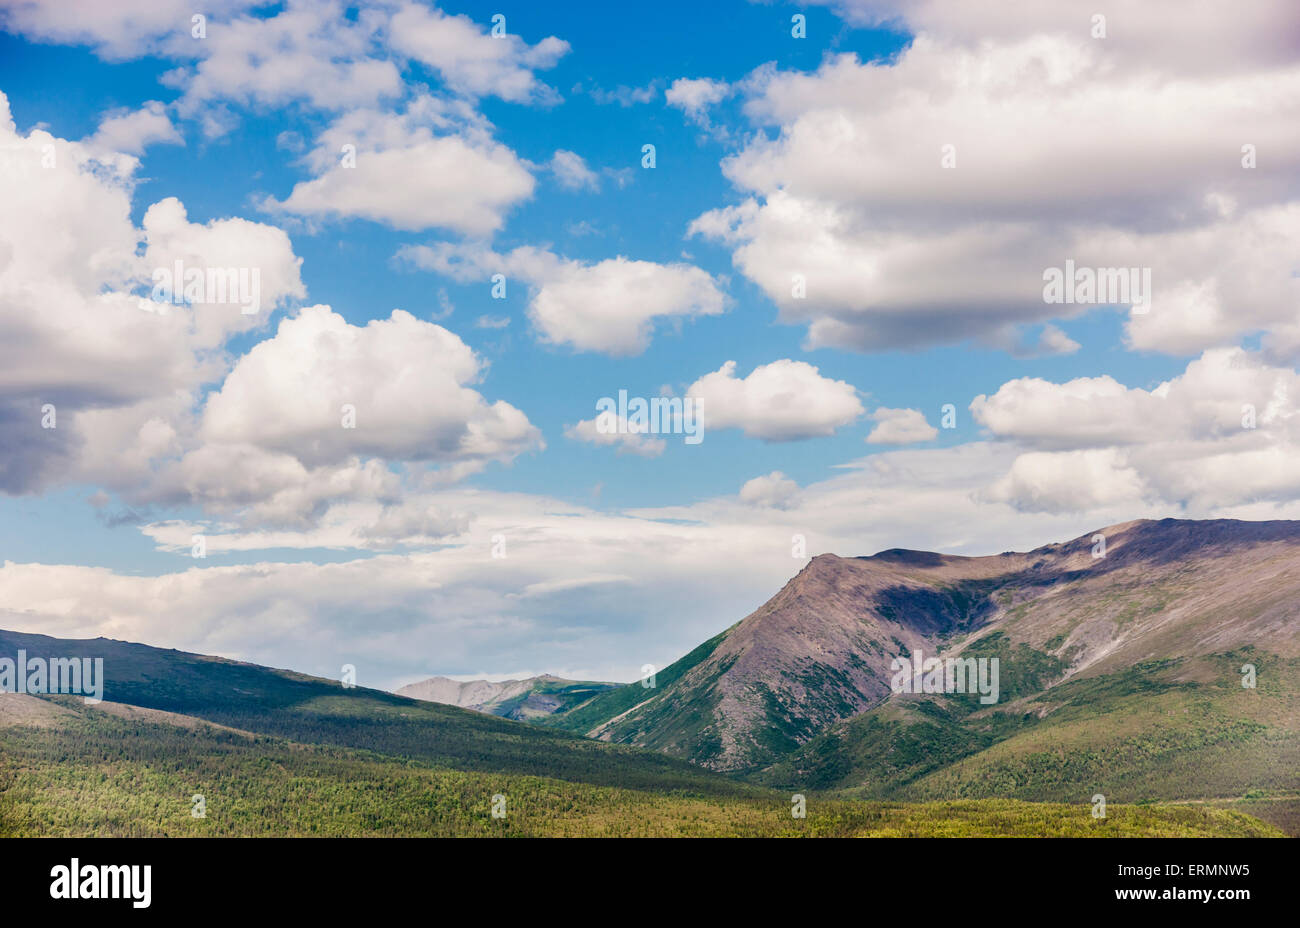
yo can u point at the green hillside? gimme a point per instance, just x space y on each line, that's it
599 710
1171 730
90 773
311 710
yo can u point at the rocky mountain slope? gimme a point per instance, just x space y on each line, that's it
799 691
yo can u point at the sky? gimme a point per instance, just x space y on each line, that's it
830 225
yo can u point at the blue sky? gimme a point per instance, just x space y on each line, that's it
775 155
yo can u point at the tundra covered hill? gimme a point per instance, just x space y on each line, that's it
295 707
1111 668
275 753
523 700
70 769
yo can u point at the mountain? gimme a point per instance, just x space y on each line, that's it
1120 675
1123 669
295 707
267 752
522 700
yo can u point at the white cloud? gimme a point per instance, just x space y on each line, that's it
435 165
781 401
610 429
119 30
683 572
222 244
610 306
694 96
131 131
126 376
774 490
471 60
407 380
72 332
690 571
1073 481
325 54
850 192
900 427
417 520
1219 435
1052 341
1205 402
328 429
572 172
1087 411
320 57
1170 34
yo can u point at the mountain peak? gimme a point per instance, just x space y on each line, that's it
820 649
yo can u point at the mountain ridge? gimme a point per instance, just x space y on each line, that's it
523 699
818 652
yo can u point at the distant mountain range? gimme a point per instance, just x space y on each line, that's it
523 700
1121 658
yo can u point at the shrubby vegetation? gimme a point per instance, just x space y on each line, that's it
95 774
1164 730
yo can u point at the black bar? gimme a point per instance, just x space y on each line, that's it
635 879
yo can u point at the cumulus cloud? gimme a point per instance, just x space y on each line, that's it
694 96
73 334
920 199
1204 402
1074 481
472 61
102 383
322 58
610 306
316 416
1215 436
406 380
132 131
900 427
774 490
781 401
120 30
225 244
326 55
1168 33
433 165
328 430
